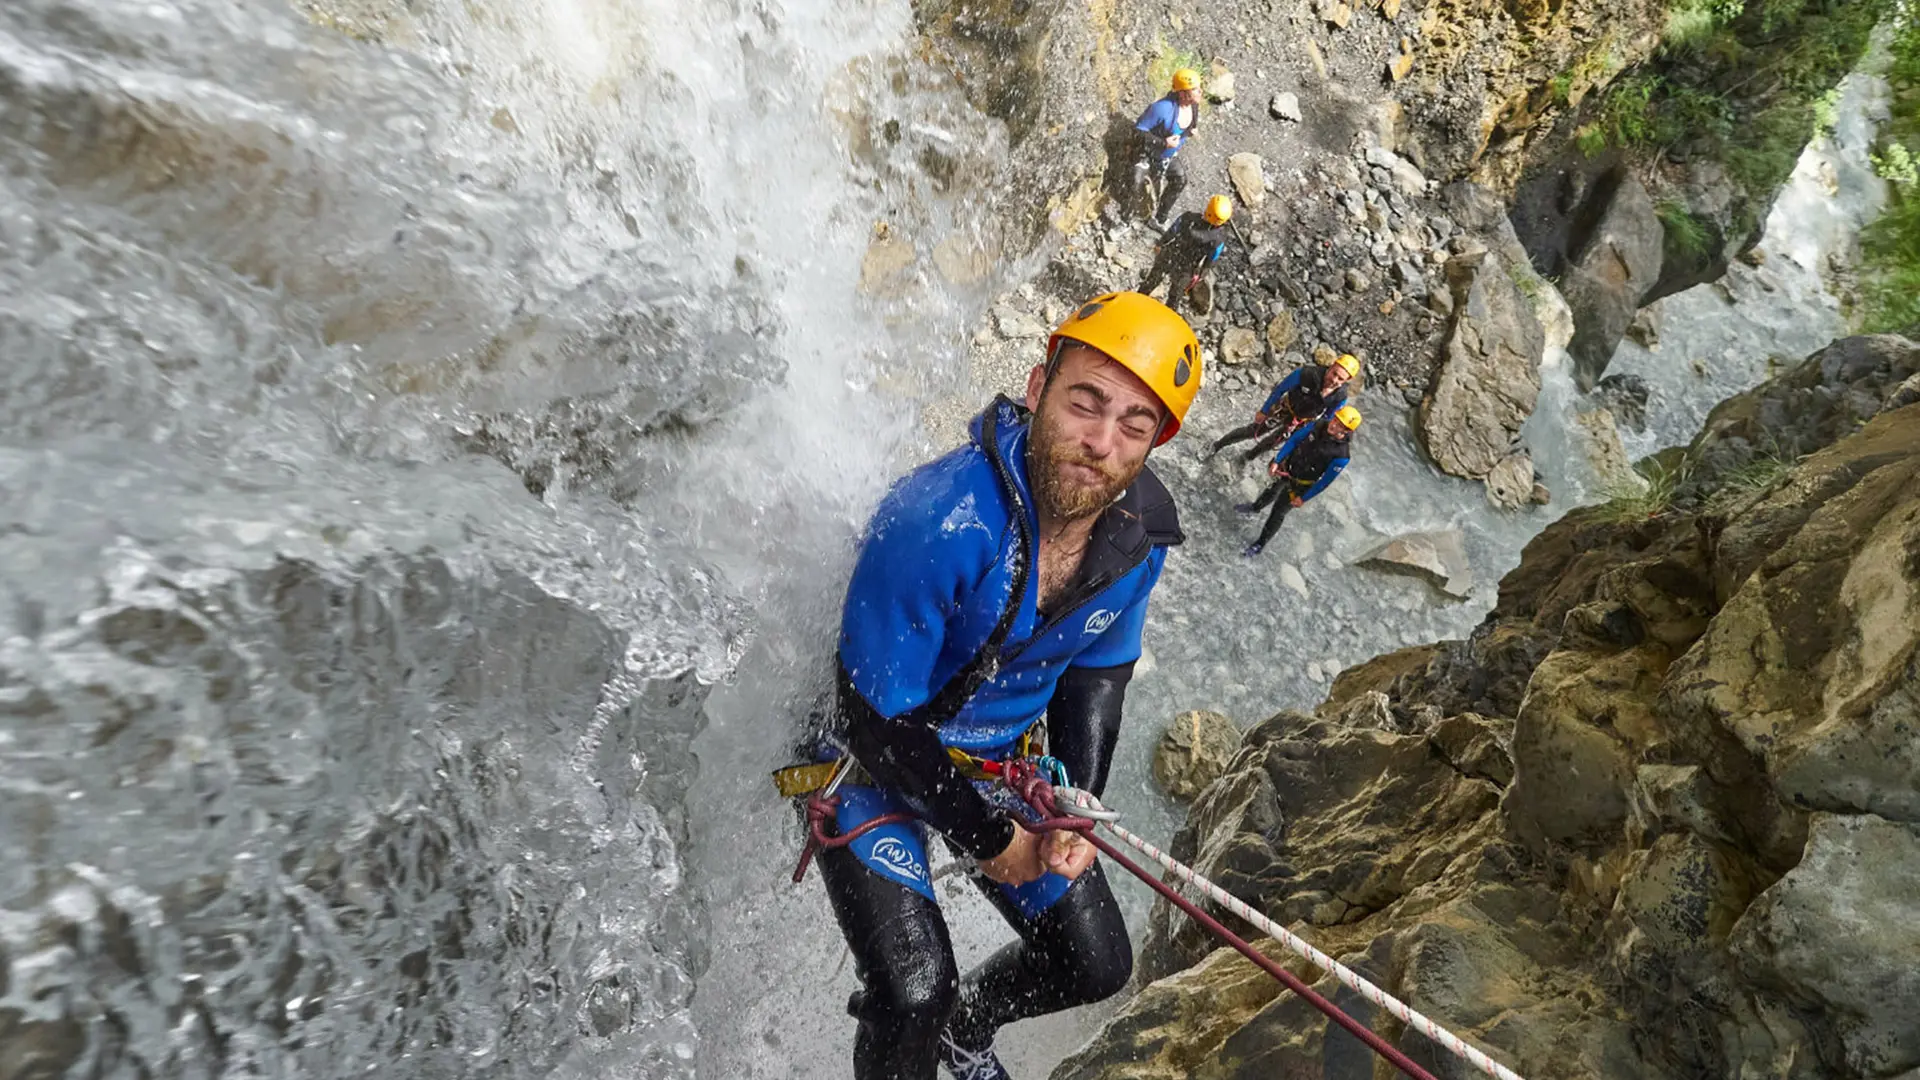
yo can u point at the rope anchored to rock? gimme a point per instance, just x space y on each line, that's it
1080 811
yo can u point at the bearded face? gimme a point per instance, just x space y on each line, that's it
1093 423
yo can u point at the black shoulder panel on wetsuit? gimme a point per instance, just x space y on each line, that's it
1083 722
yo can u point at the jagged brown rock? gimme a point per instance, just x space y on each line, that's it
1657 816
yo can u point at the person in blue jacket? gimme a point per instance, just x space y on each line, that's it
1308 393
1002 589
1163 129
1306 463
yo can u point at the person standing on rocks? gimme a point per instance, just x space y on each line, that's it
1307 462
1308 393
1000 589
1162 129
1194 242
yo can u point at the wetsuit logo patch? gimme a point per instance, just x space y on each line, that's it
899 858
1098 622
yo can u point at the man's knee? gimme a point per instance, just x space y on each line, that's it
911 1002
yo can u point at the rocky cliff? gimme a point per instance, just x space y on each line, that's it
1659 815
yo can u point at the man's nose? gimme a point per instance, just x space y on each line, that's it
1100 437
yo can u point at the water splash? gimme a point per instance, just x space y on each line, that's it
399 434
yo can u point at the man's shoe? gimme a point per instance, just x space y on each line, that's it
970 1064
1246 508
1252 550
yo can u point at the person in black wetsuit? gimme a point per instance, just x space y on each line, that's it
1307 462
1305 395
1192 243
1001 587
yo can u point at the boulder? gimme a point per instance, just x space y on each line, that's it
1605 453
1335 13
1645 328
1193 752
1488 380
1013 323
1839 935
1281 333
1438 558
1220 84
1286 106
1510 484
1617 265
1625 396
1238 346
1247 172
1407 177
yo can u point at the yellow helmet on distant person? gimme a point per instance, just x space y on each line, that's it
1351 365
1349 416
1147 338
1219 210
1186 79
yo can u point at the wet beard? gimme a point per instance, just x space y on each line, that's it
1063 497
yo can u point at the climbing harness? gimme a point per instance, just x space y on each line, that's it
1063 808
821 784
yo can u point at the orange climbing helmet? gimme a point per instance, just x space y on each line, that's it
1147 338
1349 416
1186 79
1219 210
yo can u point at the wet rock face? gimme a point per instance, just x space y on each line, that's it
1489 376
1615 266
1656 817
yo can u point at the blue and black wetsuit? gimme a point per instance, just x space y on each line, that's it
1189 246
936 576
1310 459
1159 123
1298 399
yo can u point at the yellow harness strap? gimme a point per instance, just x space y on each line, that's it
797 780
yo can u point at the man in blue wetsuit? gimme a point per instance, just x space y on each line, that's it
1306 463
1308 393
1001 589
1163 129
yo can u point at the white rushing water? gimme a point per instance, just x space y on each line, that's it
330 745
399 436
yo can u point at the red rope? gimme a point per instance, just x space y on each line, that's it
1024 779
820 810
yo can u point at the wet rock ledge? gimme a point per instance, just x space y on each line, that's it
1659 815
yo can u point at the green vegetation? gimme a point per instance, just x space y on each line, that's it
1691 23
1751 479
1826 112
1890 285
1686 234
1628 502
1168 59
1745 82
